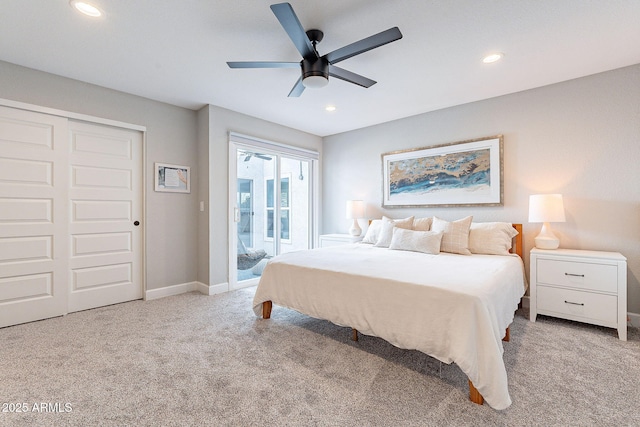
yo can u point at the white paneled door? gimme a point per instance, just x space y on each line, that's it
70 199
105 202
33 269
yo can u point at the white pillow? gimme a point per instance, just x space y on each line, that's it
491 238
386 231
416 241
422 224
371 236
456 234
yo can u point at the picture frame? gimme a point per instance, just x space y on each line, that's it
464 173
172 178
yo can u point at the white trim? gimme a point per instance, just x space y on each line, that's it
273 146
168 291
233 210
244 284
70 115
183 288
220 288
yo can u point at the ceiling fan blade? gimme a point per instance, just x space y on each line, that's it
291 24
262 64
372 42
348 76
298 88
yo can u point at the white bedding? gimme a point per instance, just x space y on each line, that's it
455 308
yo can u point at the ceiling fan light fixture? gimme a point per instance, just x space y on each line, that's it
315 82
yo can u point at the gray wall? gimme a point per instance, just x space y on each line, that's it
171 219
580 138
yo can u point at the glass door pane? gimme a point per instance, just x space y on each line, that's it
245 205
295 220
254 240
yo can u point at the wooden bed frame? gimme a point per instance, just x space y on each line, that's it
474 394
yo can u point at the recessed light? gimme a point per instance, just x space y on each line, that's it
330 108
492 58
86 8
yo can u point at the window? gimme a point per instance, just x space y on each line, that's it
285 208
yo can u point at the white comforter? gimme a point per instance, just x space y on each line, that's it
455 308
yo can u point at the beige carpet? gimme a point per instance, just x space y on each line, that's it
200 360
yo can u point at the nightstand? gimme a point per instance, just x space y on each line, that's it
585 286
327 240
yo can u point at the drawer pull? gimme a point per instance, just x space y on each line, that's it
573 303
575 275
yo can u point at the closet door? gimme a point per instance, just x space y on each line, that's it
105 206
33 220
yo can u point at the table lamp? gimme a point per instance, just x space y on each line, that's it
546 208
355 211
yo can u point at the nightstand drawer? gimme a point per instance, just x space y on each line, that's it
576 305
582 275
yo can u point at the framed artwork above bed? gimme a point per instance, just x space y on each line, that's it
465 173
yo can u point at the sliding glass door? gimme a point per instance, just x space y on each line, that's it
272 207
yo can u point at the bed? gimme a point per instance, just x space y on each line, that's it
411 300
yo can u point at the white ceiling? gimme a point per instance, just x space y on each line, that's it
176 51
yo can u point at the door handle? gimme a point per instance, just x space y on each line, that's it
136 223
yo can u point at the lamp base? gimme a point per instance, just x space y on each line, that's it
355 229
546 239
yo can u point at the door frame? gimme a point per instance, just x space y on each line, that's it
237 141
108 122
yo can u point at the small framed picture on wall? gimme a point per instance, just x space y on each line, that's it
172 178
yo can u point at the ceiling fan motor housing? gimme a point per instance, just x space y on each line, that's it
315 67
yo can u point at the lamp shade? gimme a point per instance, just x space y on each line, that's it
546 208
355 209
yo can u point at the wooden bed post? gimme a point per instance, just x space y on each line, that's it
354 336
474 394
507 335
266 309
517 247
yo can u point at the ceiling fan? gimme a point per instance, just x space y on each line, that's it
316 69
249 155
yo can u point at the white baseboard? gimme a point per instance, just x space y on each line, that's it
168 291
525 301
220 288
182 288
